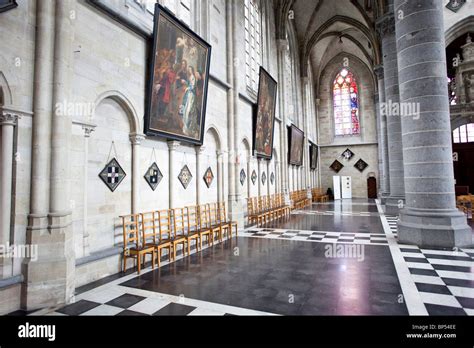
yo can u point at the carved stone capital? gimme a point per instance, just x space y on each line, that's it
136 138
8 118
173 145
283 45
200 149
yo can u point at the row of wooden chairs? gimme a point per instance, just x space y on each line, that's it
264 209
300 199
151 232
318 195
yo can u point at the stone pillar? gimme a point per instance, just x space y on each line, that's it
136 140
259 180
382 137
50 280
268 178
386 27
172 146
199 151
220 175
88 129
283 46
430 217
8 122
233 17
41 129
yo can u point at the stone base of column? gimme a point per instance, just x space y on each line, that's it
393 204
49 280
434 229
236 212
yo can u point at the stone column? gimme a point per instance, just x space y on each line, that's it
50 280
88 129
259 172
382 137
268 178
220 175
283 46
136 140
234 38
41 129
8 122
173 173
386 27
199 151
430 217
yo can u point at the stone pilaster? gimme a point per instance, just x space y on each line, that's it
382 136
8 122
173 172
199 151
386 28
430 217
283 47
136 140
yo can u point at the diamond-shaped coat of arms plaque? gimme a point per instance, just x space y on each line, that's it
272 178
243 176
361 165
264 178
185 176
336 166
254 177
208 177
153 176
112 174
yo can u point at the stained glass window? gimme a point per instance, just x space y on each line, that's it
346 104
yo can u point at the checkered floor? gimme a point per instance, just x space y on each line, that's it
444 279
314 236
113 299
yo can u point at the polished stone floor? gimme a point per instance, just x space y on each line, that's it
338 258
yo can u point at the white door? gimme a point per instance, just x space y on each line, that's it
336 180
346 187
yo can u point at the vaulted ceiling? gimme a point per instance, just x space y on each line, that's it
326 28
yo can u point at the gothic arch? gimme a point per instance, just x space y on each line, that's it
5 92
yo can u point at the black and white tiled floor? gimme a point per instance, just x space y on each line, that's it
288 258
322 237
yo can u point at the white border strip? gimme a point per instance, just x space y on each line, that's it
411 294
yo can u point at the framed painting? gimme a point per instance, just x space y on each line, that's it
177 89
6 5
296 140
264 119
313 156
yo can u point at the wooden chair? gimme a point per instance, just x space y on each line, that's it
163 224
132 245
204 225
151 235
225 222
193 228
215 221
179 235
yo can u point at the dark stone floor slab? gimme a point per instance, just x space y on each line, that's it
283 277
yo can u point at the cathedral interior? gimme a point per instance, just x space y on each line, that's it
236 157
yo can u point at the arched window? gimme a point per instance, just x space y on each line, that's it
346 104
464 134
253 43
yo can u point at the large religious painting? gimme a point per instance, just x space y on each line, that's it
313 156
6 5
177 91
265 117
296 140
